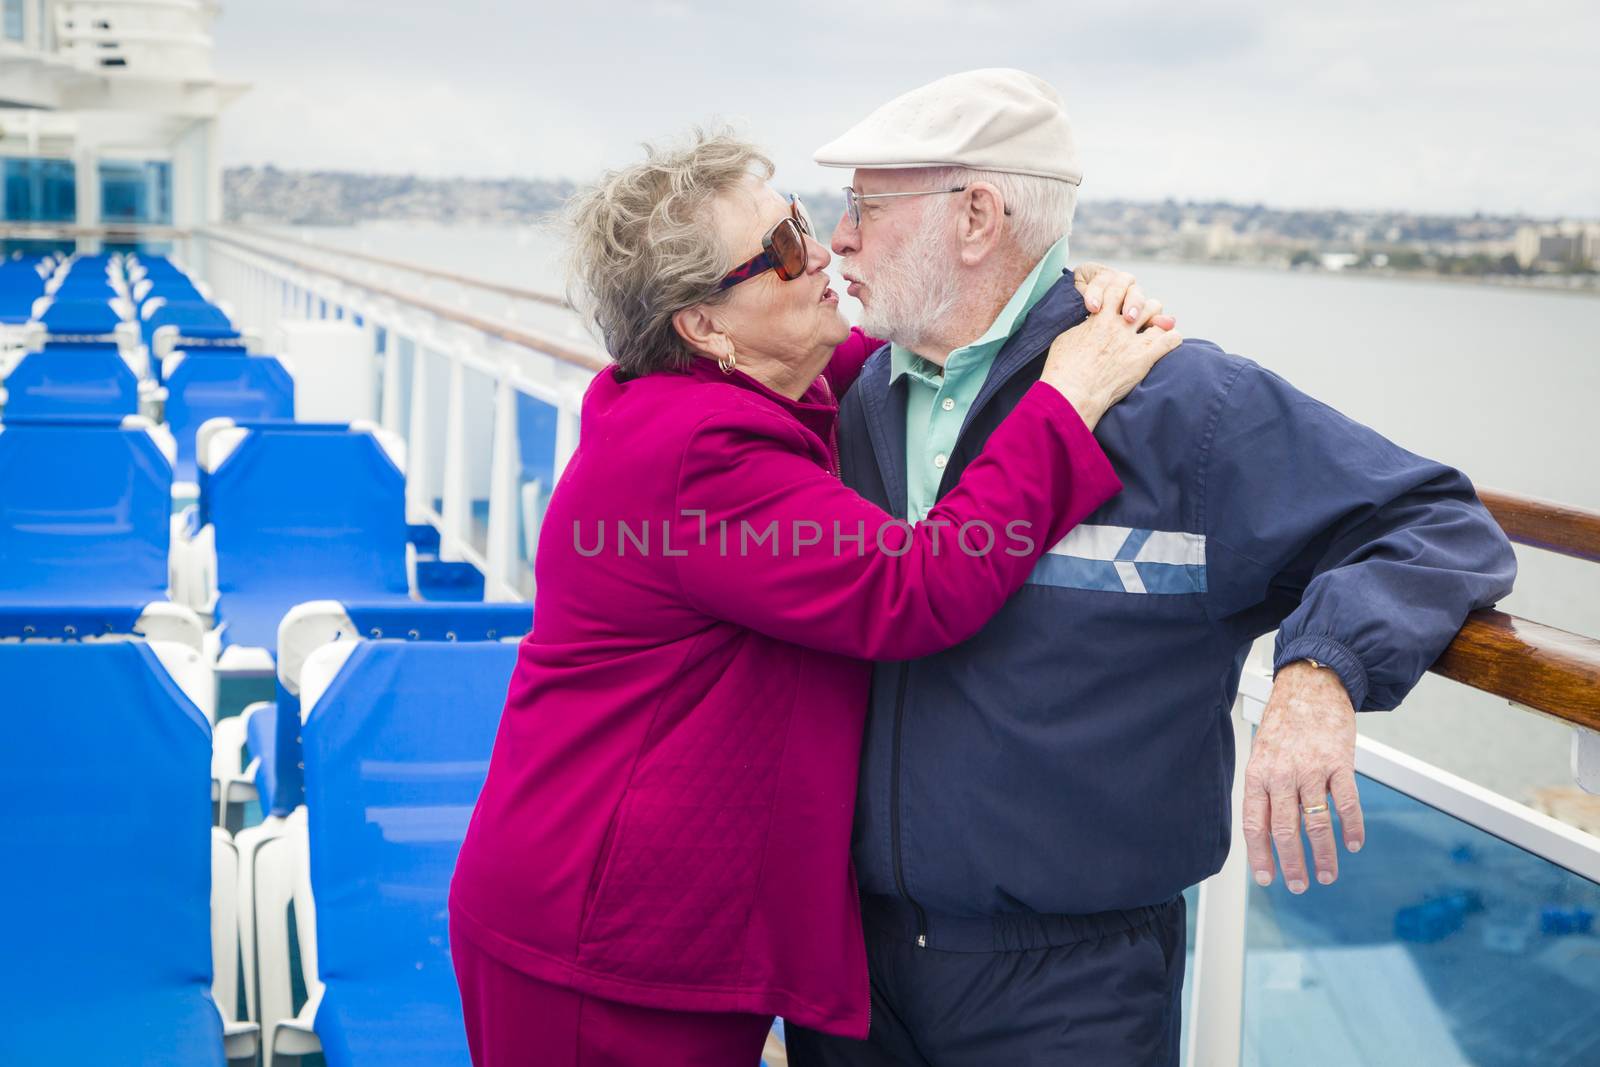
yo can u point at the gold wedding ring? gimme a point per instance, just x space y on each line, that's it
1315 809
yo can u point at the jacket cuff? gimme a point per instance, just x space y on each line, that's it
1331 654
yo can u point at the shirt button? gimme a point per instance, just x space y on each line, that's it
939 461
949 404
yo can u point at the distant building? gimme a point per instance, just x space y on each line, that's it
1591 245
1527 245
1563 245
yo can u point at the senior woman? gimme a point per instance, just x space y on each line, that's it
659 861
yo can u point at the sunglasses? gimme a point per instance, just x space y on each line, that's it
783 249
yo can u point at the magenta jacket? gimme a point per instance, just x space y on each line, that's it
666 820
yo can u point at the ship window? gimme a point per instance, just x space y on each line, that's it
132 191
39 190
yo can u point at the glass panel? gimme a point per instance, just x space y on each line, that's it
136 192
1191 898
536 475
1439 944
382 359
40 190
13 19
404 353
478 425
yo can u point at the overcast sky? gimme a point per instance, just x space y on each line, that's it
1413 104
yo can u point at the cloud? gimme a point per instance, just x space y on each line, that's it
1443 106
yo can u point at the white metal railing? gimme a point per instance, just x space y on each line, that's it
268 284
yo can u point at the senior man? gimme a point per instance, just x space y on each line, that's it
1033 802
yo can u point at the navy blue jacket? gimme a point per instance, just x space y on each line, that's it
1076 755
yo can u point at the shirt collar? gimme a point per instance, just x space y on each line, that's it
1044 275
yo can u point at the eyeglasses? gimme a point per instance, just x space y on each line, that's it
852 199
783 249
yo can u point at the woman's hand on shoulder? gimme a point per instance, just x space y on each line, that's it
1099 361
1097 283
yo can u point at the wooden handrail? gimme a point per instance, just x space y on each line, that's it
1528 663
1545 524
45 231
550 299
1538 666
561 351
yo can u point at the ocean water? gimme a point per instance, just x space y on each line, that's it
1503 383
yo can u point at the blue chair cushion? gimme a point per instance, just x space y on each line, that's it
303 514
261 742
414 1021
87 381
396 751
211 386
67 621
86 516
108 947
414 621
449 580
74 315
278 781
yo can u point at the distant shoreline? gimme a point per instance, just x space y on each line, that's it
1094 251
1494 281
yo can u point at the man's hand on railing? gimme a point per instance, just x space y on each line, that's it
1304 753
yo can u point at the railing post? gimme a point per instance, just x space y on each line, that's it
456 510
505 502
1216 1008
1586 759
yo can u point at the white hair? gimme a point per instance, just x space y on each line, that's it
1041 208
643 244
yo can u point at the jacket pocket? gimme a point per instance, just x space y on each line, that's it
602 865
673 898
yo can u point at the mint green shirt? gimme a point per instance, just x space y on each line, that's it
937 401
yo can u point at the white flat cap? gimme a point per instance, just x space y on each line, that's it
995 119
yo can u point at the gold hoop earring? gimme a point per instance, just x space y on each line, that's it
727 361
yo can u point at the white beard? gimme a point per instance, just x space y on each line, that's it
913 291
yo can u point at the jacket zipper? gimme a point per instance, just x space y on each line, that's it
894 808
863 913
833 433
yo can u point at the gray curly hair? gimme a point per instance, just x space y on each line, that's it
643 245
